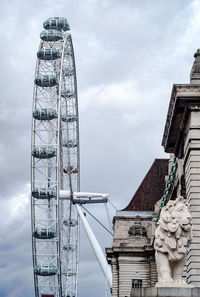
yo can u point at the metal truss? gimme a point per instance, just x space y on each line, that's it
55 164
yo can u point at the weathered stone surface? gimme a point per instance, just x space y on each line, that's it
132 254
185 98
182 136
171 239
165 292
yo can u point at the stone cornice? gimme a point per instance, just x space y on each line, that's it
184 98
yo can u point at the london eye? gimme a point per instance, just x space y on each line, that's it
55 178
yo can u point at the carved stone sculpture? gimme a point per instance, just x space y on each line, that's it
196 65
171 239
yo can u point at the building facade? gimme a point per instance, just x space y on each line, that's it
132 255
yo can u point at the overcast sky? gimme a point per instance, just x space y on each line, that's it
128 54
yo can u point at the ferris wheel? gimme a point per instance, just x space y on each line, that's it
55 179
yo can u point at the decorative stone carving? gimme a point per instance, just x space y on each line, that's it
194 107
137 230
187 89
171 239
196 64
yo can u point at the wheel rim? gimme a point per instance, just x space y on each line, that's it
55 165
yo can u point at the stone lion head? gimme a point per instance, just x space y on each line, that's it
174 229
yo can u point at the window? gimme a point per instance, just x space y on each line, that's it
136 283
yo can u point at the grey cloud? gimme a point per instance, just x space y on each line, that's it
131 50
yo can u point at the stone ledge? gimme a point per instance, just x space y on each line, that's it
165 292
184 99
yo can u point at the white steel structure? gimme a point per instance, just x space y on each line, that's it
55 163
55 180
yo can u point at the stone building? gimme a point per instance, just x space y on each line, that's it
182 138
132 255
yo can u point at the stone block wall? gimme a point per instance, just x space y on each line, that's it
192 179
132 254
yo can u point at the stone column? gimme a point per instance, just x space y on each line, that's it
115 277
192 179
153 272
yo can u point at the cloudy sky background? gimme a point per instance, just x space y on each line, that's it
128 55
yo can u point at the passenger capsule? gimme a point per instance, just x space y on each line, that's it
57 23
70 170
67 94
44 233
68 52
71 273
70 118
70 143
44 114
68 71
46 81
45 270
48 54
51 35
70 247
43 152
44 193
70 222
